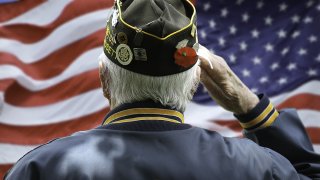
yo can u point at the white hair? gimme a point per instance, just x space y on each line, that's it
126 86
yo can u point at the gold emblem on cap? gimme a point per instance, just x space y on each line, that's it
124 54
122 38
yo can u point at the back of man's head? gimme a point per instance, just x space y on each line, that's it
150 52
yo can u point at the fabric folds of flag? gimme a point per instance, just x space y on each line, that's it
49 84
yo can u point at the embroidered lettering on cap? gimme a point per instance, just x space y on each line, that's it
124 54
140 54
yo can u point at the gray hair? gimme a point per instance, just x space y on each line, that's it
126 86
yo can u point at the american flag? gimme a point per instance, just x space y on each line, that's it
49 85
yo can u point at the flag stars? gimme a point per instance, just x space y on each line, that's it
206 6
309 3
318 58
292 66
254 90
283 7
260 4
312 72
203 34
313 39
268 47
224 12
295 34
256 60
274 66
212 24
222 41
233 29
285 51
268 20
302 51
245 17
243 46
255 33
295 19
233 58
246 73
307 20
263 80
239 2
282 33
318 7
282 81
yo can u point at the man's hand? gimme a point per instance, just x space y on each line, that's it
223 85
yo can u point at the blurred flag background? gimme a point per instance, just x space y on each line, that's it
49 85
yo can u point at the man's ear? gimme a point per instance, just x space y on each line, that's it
104 83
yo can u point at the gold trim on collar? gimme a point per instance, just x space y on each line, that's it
143 111
145 119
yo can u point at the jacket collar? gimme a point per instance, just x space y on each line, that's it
143 111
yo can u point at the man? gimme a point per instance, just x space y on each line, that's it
149 72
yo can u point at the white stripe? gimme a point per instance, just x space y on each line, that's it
65 34
41 15
85 62
316 148
310 118
198 112
11 153
75 107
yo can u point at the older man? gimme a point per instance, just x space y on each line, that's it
149 71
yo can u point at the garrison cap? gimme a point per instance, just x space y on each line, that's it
152 37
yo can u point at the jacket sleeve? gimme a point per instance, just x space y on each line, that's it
282 133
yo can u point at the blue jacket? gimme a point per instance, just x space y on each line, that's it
145 140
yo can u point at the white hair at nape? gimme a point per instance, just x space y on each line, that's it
126 86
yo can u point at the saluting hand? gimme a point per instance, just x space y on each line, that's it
223 85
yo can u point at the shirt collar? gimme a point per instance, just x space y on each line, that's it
143 111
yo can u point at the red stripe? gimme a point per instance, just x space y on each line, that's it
30 33
11 10
34 135
58 61
4 168
302 101
313 132
74 86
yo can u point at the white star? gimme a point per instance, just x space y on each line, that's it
285 51
318 7
263 79
282 33
260 4
239 2
309 3
307 20
206 6
313 39
233 29
233 58
256 60
268 20
243 46
254 90
295 19
269 47
318 58
245 17
292 66
204 90
222 41
212 24
283 7
302 51
246 73
282 80
295 34
255 33
224 12
203 34
274 66
312 72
